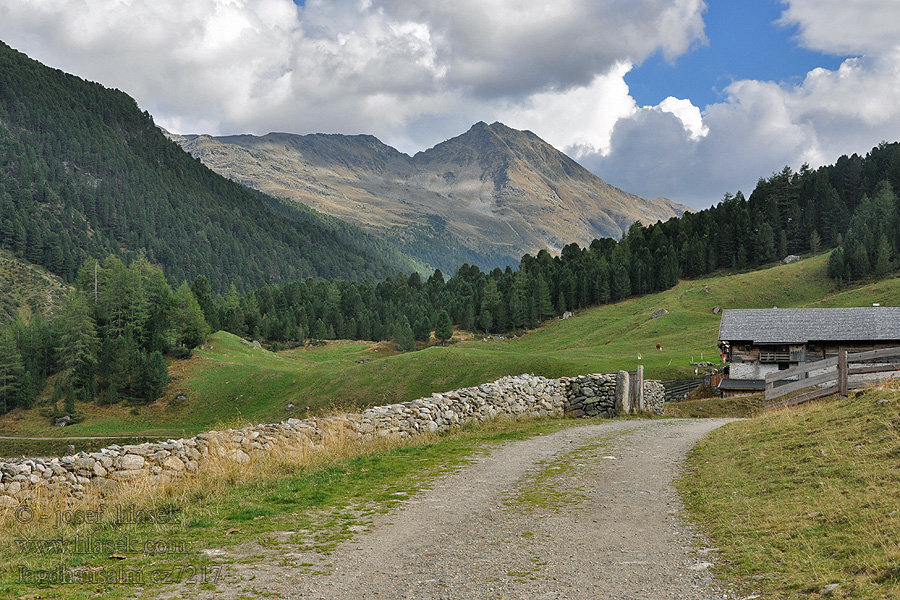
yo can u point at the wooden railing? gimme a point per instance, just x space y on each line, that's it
774 357
678 389
835 379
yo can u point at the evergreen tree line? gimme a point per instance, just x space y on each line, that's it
107 342
870 247
787 213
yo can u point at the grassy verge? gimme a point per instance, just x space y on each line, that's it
297 502
737 407
805 498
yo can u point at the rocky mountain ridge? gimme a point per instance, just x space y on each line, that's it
485 197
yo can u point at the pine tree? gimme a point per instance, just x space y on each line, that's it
403 335
443 327
320 330
782 247
12 371
189 327
78 343
620 287
815 242
837 267
203 292
486 320
765 244
422 329
542 298
883 257
154 377
491 307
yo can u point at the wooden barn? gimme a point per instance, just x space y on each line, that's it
756 342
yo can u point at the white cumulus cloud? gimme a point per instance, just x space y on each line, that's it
415 72
377 66
845 26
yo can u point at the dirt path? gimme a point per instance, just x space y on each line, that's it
586 513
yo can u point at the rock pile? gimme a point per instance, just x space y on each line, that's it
518 396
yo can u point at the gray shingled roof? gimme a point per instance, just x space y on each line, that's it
743 384
802 325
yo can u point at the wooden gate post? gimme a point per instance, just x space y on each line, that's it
842 372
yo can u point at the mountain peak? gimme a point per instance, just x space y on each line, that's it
493 193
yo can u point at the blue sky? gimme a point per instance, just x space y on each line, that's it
679 98
745 41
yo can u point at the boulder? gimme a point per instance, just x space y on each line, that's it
131 462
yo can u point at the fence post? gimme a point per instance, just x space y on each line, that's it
842 372
640 388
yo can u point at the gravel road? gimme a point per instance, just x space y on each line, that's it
587 513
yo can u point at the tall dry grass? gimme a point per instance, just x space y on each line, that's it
49 515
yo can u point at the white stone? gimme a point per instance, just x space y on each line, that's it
131 462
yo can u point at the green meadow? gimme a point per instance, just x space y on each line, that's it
228 382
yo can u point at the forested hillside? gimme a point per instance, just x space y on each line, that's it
106 341
84 173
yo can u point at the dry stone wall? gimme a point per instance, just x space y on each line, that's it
518 396
592 396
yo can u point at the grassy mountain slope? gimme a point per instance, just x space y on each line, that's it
83 172
26 289
801 499
229 380
485 197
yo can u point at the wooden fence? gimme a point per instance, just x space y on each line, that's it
678 389
835 378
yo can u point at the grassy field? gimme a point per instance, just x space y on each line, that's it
228 382
805 498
